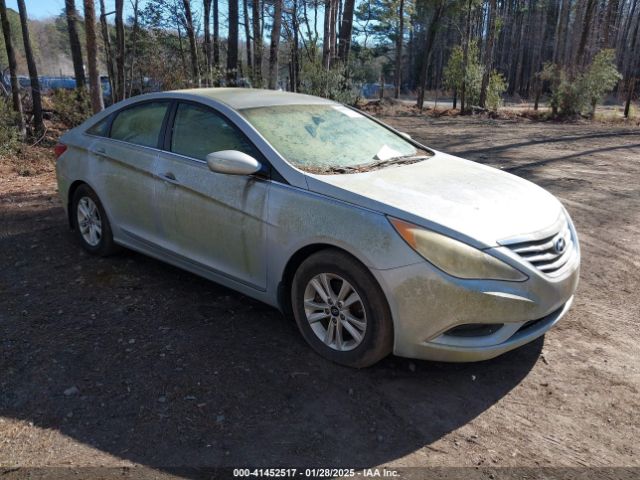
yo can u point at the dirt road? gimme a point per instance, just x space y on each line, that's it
126 361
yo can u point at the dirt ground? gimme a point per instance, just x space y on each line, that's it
129 362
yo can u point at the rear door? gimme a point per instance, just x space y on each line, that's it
215 220
127 160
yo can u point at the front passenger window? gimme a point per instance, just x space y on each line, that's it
198 131
140 124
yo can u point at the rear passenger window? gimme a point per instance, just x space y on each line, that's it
140 124
198 131
101 128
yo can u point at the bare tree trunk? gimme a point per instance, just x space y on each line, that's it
630 91
134 43
334 34
561 33
262 14
307 24
438 69
247 35
232 43
465 61
216 34
257 43
632 66
183 59
38 122
207 40
275 43
74 41
556 38
193 47
95 90
505 15
627 43
295 50
586 28
427 50
512 47
617 24
119 52
107 48
412 79
326 38
315 21
346 28
13 66
538 56
521 47
399 42
488 54
560 44
612 10
629 23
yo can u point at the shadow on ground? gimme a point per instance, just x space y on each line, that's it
155 365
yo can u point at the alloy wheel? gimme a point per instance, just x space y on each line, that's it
89 221
335 311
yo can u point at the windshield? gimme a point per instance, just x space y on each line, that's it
329 138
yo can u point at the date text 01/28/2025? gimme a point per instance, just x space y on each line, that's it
314 472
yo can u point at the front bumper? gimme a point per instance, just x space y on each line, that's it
474 353
427 303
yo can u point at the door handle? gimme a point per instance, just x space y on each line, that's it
100 151
169 177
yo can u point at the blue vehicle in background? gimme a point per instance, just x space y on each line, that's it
372 90
50 84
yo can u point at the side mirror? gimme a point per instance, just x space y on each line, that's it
406 135
233 162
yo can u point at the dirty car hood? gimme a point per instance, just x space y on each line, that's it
479 203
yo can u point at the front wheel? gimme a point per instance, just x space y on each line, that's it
341 310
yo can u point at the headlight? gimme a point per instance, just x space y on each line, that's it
455 258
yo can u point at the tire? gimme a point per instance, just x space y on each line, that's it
354 346
100 244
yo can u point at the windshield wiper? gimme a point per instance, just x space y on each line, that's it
392 161
363 167
342 169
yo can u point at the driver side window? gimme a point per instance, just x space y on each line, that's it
198 131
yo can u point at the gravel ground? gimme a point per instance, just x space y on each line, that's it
127 362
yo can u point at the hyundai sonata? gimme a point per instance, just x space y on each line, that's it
373 242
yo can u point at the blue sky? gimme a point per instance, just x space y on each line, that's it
48 8
39 8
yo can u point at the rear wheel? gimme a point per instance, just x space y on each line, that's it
340 309
90 222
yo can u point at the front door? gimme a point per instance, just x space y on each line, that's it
214 220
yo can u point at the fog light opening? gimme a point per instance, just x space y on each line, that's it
474 330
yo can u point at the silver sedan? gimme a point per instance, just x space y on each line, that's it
373 242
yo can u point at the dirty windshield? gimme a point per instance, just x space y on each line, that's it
330 138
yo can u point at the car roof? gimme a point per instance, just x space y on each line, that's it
241 98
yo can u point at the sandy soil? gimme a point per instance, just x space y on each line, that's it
128 362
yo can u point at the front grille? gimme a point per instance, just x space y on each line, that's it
549 254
